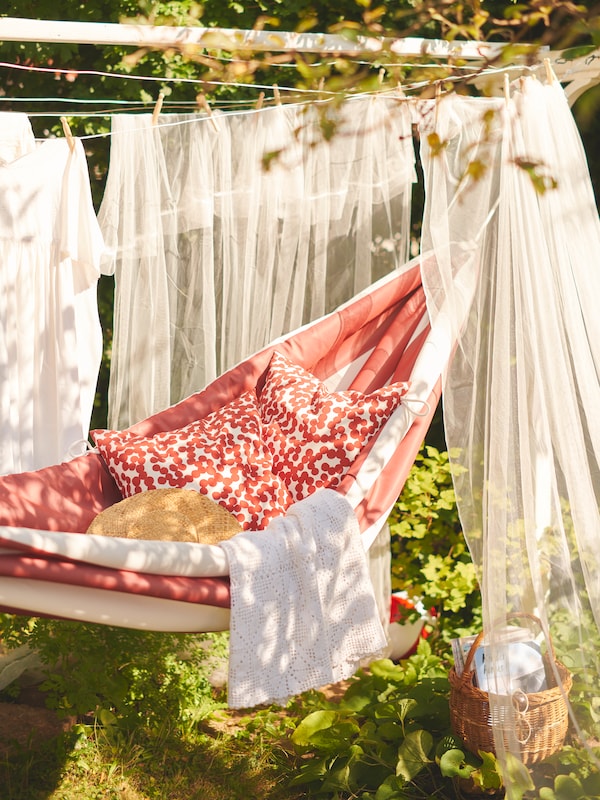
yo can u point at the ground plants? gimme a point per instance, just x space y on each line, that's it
122 679
382 740
390 739
143 721
220 759
430 558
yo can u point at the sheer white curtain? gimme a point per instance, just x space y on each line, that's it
215 253
517 276
50 334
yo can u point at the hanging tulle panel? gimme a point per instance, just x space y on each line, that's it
512 220
228 231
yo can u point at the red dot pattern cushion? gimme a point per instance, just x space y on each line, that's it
315 435
222 456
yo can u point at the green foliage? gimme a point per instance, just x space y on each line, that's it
225 758
569 775
431 561
388 738
119 678
578 648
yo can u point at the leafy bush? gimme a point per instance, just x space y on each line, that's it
430 558
122 678
389 738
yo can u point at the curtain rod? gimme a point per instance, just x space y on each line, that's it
108 33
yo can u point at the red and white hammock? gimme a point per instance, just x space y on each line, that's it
49 567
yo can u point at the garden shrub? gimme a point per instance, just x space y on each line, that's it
122 678
430 558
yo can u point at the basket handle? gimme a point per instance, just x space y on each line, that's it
466 674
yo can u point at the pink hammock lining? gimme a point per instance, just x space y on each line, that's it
374 339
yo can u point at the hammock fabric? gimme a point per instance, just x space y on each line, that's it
50 567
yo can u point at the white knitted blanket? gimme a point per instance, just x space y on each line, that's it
303 611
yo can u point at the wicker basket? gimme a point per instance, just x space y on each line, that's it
539 720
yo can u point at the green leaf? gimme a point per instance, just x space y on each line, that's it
591 785
363 772
317 721
489 772
404 707
337 778
577 52
413 754
594 709
391 789
107 717
567 787
358 697
385 668
453 765
518 778
311 771
391 731
433 715
338 738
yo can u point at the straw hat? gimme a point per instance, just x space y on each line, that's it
174 515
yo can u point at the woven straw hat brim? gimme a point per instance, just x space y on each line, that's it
175 515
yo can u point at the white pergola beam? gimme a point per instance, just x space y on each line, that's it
578 74
14 29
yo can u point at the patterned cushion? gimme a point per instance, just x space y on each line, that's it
221 456
314 434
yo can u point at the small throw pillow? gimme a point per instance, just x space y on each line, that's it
314 434
172 515
222 456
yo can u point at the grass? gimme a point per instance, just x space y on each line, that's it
227 755
227 758
165 732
